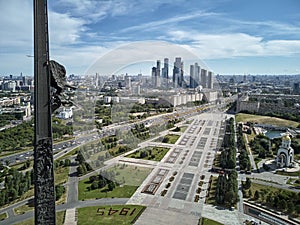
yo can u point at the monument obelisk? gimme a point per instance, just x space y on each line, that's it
44 192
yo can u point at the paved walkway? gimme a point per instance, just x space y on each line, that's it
72 194
70 218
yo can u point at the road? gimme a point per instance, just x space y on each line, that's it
78 204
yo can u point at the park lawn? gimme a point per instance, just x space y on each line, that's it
60 218
157 153
181 129
260 187
243 117
23 209
3 216
206 221
109 215
171 138
132 175
118 192
284 173
61 175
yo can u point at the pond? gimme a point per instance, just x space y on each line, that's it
274 134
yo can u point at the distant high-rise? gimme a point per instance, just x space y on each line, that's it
153 76
127 81
156 74
197 74
157 77
210 80
165 70
178 72
203 78
97 80
296 88
194 75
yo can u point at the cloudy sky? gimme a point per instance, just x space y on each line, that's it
230 36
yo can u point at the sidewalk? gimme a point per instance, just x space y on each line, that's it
70 218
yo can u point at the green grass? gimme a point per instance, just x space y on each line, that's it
3 216
179 129
109 215
206 221
129 177
294 181
296 173
61 175
243 117
60 217
260 187
118 192
157 153
132 175
23 209
169 138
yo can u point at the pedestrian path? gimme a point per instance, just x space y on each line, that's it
70 218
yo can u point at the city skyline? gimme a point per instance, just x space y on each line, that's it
231 37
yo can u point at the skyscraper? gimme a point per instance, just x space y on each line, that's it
178 72
197 75
296 88
203 78
156 74
210 80
157 77
165 70
153 75
192 76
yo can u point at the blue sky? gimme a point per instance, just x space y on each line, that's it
230 36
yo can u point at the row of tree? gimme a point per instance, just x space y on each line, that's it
227 189
243 156
228 155
140 131
83 167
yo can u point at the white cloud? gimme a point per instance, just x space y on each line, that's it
157 24
95 10
64 29
212 46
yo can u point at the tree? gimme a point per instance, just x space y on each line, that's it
256 195
247 184
290 207
101 183
250 193
111 186
94 185
80 170
59 191
80 158
13 193
67 162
